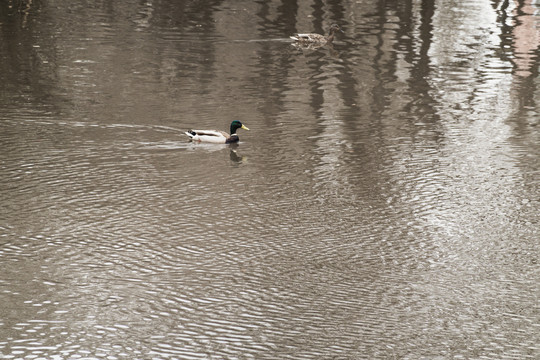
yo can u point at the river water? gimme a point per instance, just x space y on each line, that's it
384 204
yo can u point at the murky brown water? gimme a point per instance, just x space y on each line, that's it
384 204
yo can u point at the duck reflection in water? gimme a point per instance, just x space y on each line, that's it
234 156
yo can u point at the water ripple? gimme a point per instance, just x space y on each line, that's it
382 205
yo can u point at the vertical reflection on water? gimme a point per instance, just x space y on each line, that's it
331 140
526 37
468 180
478 155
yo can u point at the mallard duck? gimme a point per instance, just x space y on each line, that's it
216 136
317 38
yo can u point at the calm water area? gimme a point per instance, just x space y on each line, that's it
384 204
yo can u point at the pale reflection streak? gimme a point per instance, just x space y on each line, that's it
477 162
331 139
526 33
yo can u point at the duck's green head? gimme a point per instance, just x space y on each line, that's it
235 125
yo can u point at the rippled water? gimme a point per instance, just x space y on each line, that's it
383 205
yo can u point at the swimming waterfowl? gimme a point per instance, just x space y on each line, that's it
317 38
216 136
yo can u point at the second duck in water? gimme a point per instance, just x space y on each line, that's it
317 38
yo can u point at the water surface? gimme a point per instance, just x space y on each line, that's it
383 205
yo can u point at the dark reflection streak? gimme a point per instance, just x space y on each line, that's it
404 33
337 11
502 12
287 14
421 66
318 60
263 14
317 98
348 86
272 77
173 15
200 14
283 24
506 33
529 88
24 8
318 15
209 55
264 11
426 29
24 59
317 63
379 100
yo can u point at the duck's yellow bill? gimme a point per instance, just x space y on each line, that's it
244 127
